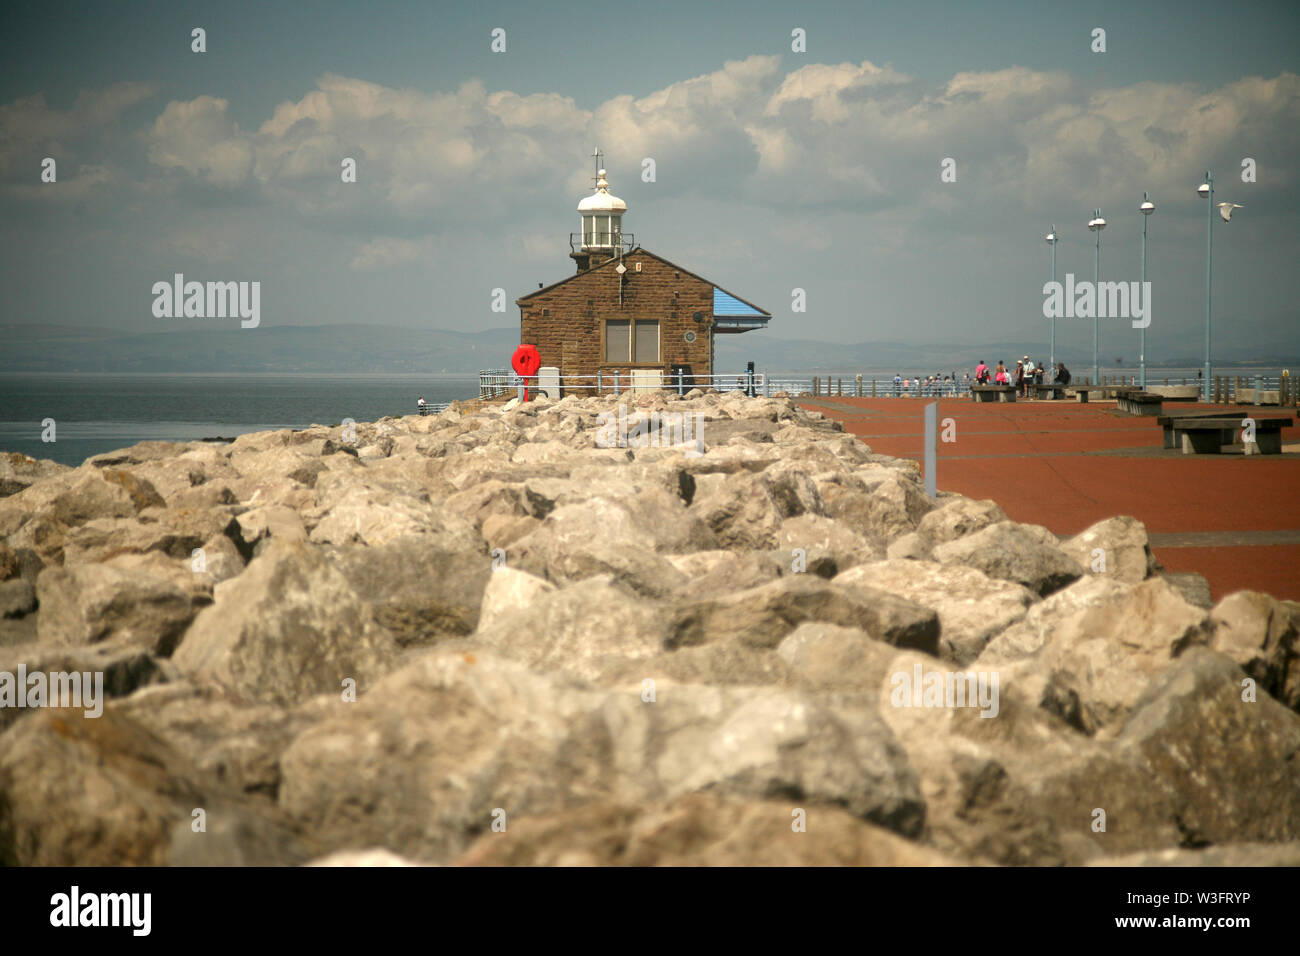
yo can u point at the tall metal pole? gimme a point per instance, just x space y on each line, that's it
1096 280
1052 350
1146 209
1209 255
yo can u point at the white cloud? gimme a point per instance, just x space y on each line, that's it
199 137
852 136
31 130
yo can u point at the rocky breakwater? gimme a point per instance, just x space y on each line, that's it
497 636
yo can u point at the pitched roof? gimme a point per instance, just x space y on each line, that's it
728 302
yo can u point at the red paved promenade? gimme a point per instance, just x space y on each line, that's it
1232 518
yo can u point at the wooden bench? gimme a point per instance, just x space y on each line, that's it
1049 391
1139 402
1207 436
993 393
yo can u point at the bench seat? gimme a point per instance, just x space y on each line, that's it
993 393
1207 436
1137 402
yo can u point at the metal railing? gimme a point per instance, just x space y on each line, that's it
613 242
1282 389
494 383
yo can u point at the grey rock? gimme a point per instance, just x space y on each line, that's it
1025 554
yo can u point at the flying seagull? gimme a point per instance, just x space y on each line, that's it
1226 208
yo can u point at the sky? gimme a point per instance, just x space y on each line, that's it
775 169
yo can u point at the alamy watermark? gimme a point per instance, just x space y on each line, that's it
130 910
53 689
211 300
655 430
1100 300
946 689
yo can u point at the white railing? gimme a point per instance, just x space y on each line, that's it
494 383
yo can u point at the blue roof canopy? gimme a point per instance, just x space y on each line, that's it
724 303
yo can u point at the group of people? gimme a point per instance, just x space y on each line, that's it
932 385
1026 374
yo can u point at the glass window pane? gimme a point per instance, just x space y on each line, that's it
647 341
617 334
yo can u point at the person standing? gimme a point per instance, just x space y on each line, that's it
981 373
898 385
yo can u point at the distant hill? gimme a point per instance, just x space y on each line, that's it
393 348
285 348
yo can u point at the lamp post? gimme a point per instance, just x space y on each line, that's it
1206 189
1147 208
1096 224
1051 352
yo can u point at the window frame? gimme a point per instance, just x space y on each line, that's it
630 359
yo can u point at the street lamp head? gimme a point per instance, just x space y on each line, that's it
1203 188
1051 236
1147 207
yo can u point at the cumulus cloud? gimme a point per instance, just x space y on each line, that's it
30 130
852 136
200 138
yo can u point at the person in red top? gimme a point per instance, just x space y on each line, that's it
981 373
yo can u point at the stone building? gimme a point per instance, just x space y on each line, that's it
627 310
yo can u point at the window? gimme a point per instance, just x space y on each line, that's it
634 343
617 340
647 341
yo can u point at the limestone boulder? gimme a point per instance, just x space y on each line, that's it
700 829
525 744
1262 635
1115 546
972 607
1025 554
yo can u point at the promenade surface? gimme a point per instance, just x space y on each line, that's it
1231 517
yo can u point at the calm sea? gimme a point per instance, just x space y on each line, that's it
98 413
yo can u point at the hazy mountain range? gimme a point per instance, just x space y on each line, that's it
390 348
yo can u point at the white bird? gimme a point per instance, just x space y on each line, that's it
1226 208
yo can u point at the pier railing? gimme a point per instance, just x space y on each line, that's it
494 383
1225 389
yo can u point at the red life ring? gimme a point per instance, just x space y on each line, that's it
526 361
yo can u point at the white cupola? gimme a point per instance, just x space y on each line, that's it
602 217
